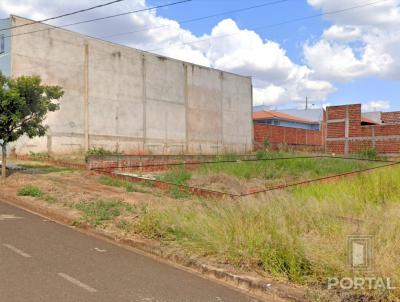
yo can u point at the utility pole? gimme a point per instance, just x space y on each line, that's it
306 102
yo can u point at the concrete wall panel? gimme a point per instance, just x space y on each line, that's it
136 102
165 122
165 79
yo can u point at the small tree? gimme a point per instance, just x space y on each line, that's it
24 104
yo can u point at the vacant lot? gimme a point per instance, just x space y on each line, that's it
243 176
298 235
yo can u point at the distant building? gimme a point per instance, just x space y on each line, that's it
312 115
276 118
259 108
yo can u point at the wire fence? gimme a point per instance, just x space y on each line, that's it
215 193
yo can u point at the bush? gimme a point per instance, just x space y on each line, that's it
100 151
266 143
261 155
370 153
179 176
30 190
38 156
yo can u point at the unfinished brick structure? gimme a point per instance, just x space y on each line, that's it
296 138
390 117
345 134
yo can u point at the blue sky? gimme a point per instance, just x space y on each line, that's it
290 36
351 57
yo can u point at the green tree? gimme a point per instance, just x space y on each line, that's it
24 104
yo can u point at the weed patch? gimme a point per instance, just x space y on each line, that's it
113 182
99 212
30 190
178 176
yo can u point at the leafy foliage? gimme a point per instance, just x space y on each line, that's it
100 151
24 104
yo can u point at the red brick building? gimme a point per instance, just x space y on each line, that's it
275 128
344 130
349 132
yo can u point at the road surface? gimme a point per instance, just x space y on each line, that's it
45 262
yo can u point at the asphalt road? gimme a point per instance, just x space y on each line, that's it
43 261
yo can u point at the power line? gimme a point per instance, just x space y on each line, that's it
276 24
64 15
197 19
101 18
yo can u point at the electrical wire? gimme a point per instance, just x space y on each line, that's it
335 12
101 18
196 19
63 15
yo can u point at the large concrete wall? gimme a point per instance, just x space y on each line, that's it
124 99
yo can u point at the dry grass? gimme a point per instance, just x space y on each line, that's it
299 235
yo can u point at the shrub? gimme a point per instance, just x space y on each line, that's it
261 154
370 153
38 156
100 151
178 176
30 190
266 143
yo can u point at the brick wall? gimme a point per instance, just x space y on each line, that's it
292 137
345 134
390 117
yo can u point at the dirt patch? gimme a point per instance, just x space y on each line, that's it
76 186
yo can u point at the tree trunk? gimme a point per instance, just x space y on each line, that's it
3 161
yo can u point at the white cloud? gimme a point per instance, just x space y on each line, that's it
342 33
277 79
361 42
377 14
378 105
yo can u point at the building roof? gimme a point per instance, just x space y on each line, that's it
367 120
311 114
264 115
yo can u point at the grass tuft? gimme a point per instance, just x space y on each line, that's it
99 212
30 190
129 187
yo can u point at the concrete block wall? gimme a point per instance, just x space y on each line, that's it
292 137
127 100
346 135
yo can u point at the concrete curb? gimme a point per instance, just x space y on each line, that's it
270 290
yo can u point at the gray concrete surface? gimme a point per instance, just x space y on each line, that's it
43 261
128 100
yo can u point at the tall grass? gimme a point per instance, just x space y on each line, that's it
298 235
293 168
